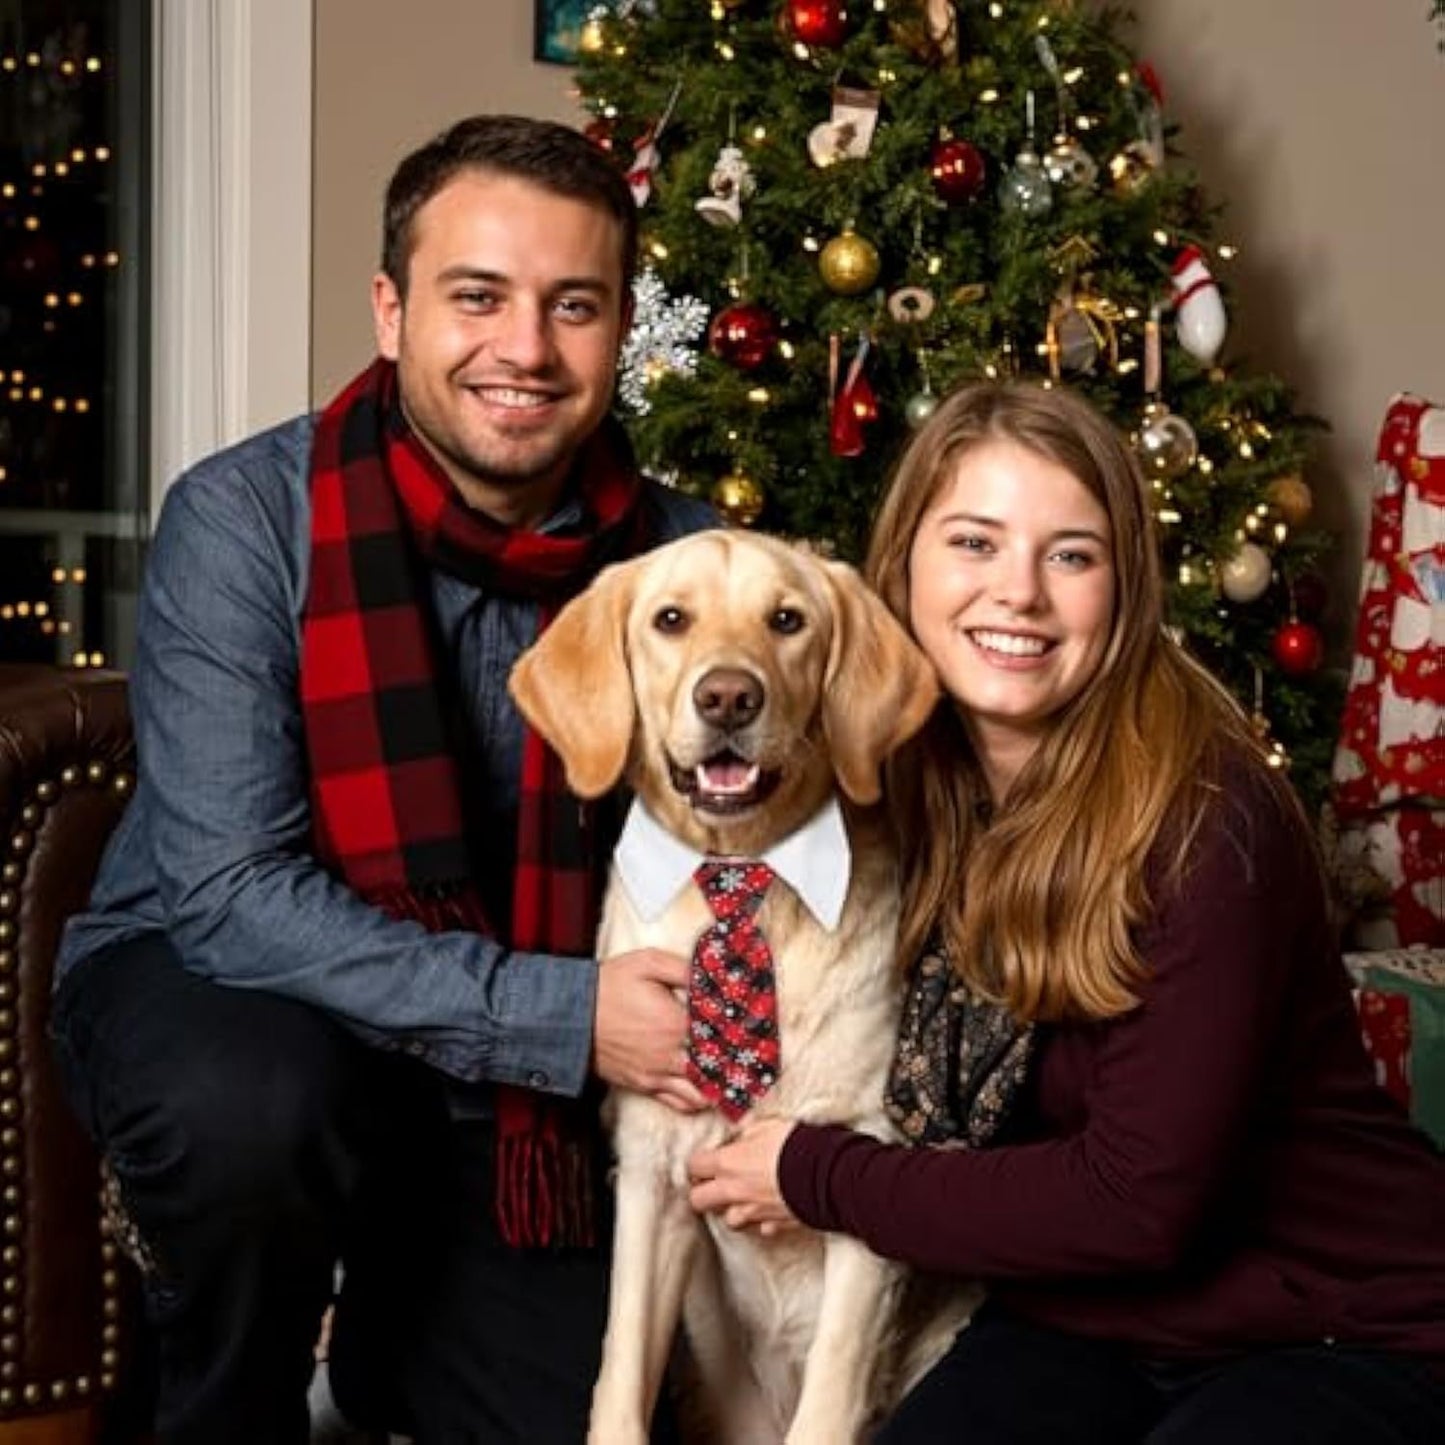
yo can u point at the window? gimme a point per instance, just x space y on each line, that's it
74 197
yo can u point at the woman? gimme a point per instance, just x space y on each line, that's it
1197 1216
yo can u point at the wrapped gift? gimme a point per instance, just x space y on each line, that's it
1385 1022
1389 767
1401 1003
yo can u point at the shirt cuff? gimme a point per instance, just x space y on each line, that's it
545 1041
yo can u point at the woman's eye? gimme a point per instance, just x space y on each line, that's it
968 542
670 619
786 621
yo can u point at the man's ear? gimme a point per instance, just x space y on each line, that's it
386 309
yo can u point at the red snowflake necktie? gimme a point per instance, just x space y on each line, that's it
732 1052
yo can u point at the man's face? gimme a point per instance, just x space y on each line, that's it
506 342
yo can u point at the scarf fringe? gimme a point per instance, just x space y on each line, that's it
545 1196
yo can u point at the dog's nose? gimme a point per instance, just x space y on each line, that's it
727 697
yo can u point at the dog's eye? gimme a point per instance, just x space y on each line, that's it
786 620
670 619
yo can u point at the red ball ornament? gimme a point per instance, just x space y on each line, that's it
743 335
1298 648
958 171
819 22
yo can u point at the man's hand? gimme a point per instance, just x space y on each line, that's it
639 1033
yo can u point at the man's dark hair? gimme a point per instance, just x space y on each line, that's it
555 157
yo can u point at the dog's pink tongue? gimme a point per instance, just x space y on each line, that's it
726 775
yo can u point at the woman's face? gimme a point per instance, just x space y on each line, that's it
1011 594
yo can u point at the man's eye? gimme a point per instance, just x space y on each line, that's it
787 621
670 619
577 309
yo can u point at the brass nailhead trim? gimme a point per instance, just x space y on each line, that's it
12 872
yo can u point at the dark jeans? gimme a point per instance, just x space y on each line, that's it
257 1143
1006 1382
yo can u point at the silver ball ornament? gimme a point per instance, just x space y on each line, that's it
919 407
1166 443
1069 165
1245 576
1025 188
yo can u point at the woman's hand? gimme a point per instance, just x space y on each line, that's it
740 1180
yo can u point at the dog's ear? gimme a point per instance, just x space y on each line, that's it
879 687
573 685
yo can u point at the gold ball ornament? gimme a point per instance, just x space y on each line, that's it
849 264
739 498
1132 169
1292 498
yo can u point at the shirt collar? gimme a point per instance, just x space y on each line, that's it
814 861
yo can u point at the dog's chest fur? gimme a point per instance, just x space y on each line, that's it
838 1004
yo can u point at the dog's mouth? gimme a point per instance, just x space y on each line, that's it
724 783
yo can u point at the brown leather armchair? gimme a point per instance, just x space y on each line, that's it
67 765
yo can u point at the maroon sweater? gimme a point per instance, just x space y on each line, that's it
1215 1170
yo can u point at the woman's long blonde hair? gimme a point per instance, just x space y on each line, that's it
1038 908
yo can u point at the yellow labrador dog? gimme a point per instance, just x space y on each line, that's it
747 691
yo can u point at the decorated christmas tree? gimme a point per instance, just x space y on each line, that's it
851 206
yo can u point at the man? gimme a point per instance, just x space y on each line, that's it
333 999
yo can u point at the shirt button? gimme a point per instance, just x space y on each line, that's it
415 1048
538 1080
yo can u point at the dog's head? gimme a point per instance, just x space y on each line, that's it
733 678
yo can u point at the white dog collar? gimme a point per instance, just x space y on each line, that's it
814 861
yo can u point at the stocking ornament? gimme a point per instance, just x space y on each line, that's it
854 405
1199 318
730 184
645 157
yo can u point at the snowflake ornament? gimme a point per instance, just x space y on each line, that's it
663 339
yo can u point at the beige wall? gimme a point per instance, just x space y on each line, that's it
388 76
1319 123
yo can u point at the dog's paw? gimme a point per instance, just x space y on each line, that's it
603 1436
613 1431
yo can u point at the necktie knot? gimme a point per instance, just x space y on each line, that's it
733 1050
733 888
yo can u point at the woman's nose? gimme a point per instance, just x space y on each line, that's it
1017 584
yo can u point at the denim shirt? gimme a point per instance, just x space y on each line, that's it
215 848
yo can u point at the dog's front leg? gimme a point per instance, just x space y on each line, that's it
859 1302
654 1242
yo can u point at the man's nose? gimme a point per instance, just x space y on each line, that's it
523 338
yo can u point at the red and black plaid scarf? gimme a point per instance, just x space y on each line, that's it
385 786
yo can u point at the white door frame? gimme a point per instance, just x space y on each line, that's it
231 247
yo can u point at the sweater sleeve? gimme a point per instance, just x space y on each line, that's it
1164 1099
